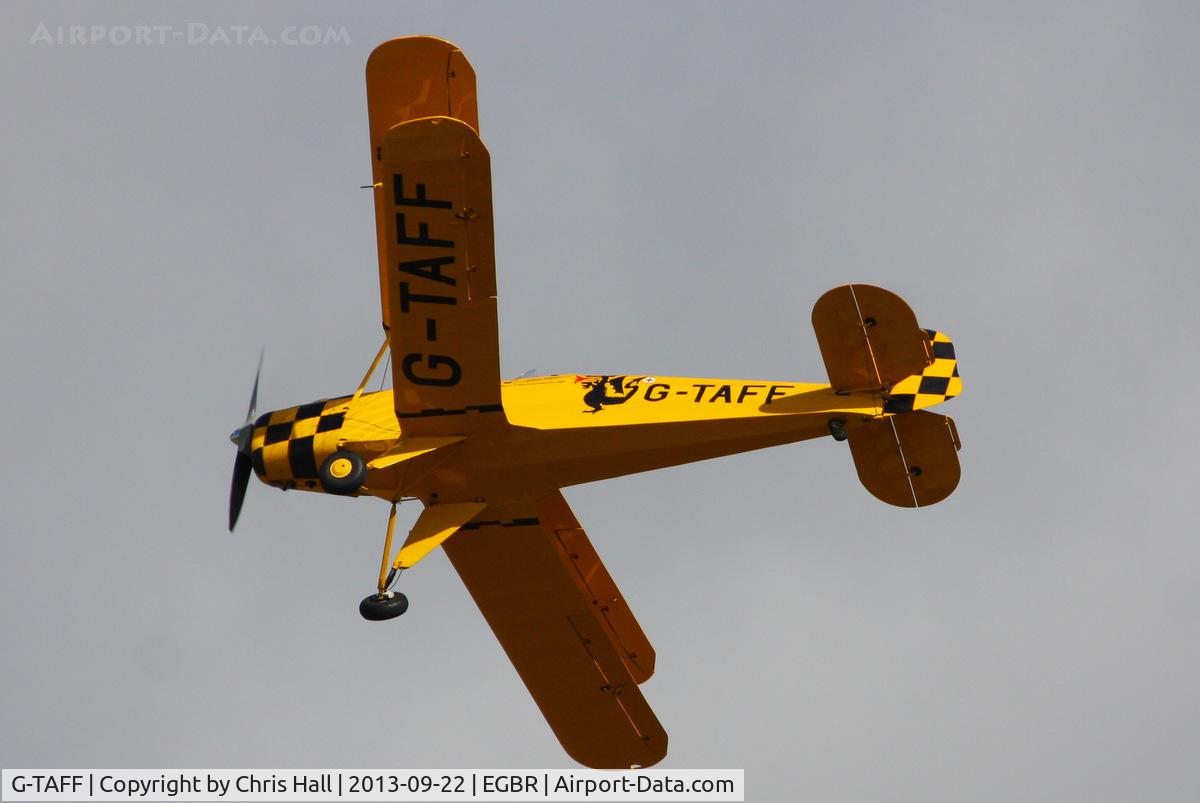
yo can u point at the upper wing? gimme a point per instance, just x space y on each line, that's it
566 628
418 76
407 79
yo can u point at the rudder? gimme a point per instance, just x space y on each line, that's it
936 383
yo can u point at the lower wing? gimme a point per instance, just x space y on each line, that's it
565 627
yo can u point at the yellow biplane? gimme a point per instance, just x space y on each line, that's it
487 458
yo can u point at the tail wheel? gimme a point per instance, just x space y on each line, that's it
343 472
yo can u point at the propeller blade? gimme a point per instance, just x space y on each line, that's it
242 465
254 393
237 489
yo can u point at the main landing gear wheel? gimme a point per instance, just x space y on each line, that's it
343 472
379 608
383 604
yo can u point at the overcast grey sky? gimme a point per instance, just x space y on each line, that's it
675 185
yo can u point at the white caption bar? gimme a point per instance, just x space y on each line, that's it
370 785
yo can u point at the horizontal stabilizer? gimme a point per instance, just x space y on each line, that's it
869 338
907 460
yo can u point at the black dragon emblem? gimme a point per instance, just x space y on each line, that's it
607 390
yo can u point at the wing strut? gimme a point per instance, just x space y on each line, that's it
374 364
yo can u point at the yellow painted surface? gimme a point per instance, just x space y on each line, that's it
601 401
868 336
387 550
435 525
608 605
545 616
441 276
558 431
409 448
937 381
908 460
407 79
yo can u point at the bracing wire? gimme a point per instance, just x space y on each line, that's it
386 366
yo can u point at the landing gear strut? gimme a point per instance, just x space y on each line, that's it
385 604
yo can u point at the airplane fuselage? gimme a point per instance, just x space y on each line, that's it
553 432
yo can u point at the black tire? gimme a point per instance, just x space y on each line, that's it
343 472
379 609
